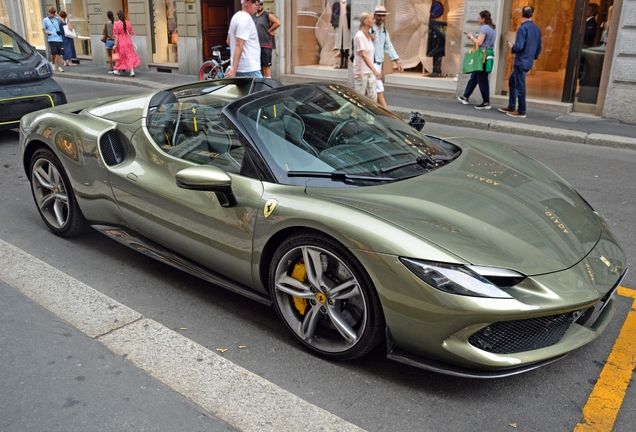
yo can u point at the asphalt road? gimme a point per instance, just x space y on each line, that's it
373 393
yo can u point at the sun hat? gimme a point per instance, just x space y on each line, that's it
380 10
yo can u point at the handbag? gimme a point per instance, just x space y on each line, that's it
69 33
473 61
115 56
490 60
104 34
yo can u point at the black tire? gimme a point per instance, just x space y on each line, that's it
53 195
341 316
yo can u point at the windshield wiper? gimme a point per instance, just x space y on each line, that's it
336 176
426 161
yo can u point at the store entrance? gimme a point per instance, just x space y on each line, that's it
573 37
216 16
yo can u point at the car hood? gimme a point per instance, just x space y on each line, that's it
493 206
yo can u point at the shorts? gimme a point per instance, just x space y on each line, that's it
266 56
378 82
253 74
110 43
365 85
56 48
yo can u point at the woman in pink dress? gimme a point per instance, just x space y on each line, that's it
128 58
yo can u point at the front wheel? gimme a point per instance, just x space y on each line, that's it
54 196
208 71
325 297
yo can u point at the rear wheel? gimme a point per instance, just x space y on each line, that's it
208 71
325 297
54 196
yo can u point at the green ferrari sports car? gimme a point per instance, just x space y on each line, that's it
463 256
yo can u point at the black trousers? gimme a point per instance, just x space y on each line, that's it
480 78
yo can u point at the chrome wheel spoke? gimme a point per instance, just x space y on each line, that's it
309 323
294 287
58 208
43 178
47 201
313 265
345 290
341 325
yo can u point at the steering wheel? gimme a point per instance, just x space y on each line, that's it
333 137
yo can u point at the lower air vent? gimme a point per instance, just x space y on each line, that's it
524 335
112 148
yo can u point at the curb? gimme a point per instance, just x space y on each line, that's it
113 79
555 134
230 392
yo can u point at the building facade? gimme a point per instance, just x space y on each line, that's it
588 63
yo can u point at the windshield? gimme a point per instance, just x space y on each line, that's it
314 131
13 48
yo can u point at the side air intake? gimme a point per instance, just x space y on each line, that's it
112 148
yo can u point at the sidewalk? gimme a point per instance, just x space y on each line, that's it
572 127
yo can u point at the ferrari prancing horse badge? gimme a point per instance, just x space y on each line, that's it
270 205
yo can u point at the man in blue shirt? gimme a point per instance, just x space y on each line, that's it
52 27
526 49
382 43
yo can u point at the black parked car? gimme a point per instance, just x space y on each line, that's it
25 80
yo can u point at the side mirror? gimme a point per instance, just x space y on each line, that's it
416 121
208 178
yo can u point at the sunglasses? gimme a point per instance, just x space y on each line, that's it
256 1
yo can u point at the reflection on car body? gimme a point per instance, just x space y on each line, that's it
463 256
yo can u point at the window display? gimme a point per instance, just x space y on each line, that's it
75 11
426 34
34 35
164 31
4 13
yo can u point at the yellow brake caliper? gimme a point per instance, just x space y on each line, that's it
300 274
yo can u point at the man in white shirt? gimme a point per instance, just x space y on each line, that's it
242 39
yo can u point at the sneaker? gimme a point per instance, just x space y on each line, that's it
116 72
111 71
484 105
463 100
516 114
60 69
132 74
507 110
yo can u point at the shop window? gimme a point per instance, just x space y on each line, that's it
317 35
34 35
4 13
164 31
75 11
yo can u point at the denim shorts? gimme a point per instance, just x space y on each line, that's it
110 43
253 74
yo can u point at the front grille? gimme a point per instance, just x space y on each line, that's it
509 337
14 109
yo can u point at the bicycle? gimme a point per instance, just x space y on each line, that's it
213 69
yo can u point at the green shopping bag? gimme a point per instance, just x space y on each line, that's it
473 61
490 60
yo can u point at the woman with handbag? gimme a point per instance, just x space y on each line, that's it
67 42
124 46
108 38
484 41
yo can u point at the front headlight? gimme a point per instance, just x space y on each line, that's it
464 280
43 68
